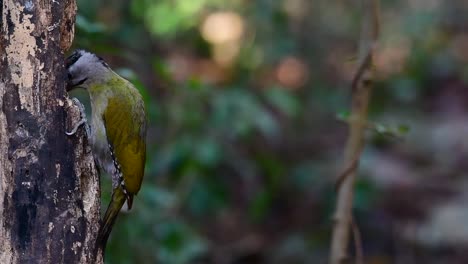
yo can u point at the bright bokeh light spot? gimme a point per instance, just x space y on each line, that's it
292 72
224 31
222 27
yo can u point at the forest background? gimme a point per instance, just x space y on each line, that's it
247 104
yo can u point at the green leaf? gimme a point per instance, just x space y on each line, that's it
343 115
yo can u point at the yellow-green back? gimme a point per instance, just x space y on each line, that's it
125 122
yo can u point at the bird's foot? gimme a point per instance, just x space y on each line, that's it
83 120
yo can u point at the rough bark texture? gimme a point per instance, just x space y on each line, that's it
49 188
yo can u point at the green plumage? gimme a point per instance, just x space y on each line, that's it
119 106
118 130
124 120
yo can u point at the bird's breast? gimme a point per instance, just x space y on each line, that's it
100 145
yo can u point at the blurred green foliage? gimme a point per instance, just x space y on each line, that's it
243 143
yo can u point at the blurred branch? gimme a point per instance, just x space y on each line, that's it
357 242
361 89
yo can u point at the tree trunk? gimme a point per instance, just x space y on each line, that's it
49 187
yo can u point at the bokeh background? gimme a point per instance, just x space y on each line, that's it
247 104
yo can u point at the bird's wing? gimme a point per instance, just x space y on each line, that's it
125 123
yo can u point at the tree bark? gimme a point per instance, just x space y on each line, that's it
49 187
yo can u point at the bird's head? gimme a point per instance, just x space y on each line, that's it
85 68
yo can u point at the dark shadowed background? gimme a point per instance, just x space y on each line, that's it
247 104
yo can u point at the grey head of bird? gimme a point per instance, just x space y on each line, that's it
85 68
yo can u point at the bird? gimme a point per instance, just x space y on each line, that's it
117 131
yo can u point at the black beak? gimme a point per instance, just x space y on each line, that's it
69 83
69 87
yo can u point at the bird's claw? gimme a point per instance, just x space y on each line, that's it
83 120
73 131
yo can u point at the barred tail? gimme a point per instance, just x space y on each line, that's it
118 199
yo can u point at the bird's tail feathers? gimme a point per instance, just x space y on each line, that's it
117 201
